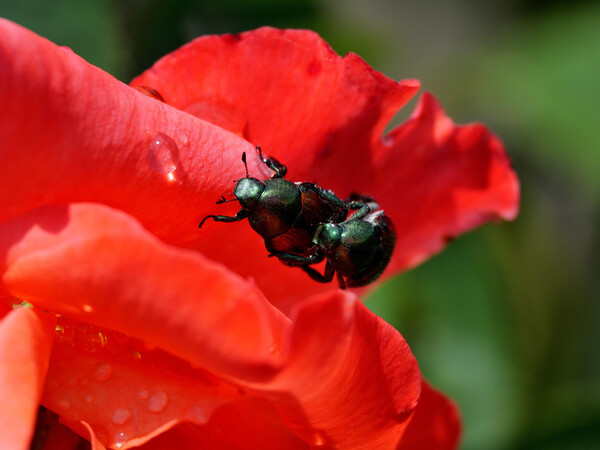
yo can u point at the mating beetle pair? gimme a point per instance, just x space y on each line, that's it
303 224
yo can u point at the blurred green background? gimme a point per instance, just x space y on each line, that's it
507 319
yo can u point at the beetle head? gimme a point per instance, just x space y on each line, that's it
328 236
248 192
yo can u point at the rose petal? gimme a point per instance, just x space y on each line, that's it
25 341
95 139
337 374
126 393
441 180
99 266
435 424
353 380
286 90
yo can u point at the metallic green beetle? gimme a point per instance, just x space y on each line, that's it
303 224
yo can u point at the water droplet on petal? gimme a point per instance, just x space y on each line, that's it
318 439
64 333
64 403
150 92
73 381
197 414
143 394
120 439
89 398
158 402
121 416
90 339
163 157
102 371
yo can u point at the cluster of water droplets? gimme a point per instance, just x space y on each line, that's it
109 349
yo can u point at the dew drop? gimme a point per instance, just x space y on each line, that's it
64 333
121 416
163 157
64 403
143 394
120 439
89 398
102 371
73 381
158 402
90 339
198 415
150 92
319 439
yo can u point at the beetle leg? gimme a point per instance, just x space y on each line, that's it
297 261
279 169
239 216
363 210
329 196
325 278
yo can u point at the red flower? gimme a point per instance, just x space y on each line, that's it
148 330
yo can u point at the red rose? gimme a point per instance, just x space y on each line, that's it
146 330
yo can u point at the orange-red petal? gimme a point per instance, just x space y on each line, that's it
97 139
99 266
354 381
435 424
335 373
442 180
25 342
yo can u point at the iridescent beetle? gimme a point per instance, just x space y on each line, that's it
303 224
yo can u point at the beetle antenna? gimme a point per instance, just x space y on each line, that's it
245 164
